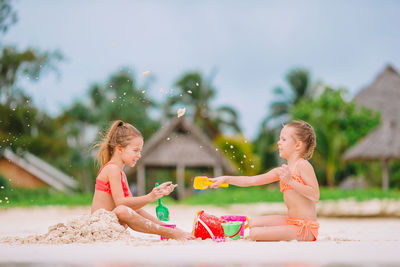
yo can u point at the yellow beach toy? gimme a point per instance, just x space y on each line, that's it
202 182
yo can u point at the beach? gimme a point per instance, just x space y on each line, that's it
368 241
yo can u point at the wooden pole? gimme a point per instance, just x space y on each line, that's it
180 179
141 180
385 174
217 170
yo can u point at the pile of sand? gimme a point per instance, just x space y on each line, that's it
101 226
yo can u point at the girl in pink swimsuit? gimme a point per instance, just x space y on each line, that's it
298 185
122 146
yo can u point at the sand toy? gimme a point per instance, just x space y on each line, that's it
237 218
232 229
161 210
207 226
202 182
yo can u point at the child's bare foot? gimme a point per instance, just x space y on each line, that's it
181 235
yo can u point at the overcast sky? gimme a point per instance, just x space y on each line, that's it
250 44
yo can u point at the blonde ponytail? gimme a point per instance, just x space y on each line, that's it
119 134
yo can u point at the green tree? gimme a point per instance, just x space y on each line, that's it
265 147
118 99
22 125
299 87
29 63
196 94
240 152
338 125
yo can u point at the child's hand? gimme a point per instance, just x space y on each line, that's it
167 188
217 181
162 190
284 174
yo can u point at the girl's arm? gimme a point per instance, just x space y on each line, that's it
245 181
310 189
135 203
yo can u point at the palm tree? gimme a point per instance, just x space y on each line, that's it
195 93
299 87
265 143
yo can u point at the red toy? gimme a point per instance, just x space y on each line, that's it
207 226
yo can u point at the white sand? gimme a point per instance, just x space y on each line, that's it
342 241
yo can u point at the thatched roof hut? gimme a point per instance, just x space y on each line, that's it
180 144
383 143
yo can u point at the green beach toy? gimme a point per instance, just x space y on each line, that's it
232 229
161 210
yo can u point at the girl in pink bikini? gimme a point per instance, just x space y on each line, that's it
298 184
122 146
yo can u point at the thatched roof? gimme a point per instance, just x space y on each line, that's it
382 143
180 142
382 95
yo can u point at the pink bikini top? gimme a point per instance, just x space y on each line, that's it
104 186
284 186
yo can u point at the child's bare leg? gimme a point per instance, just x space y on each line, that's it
274 233
138 223
271 220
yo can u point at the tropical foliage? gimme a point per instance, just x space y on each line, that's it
338 125
195 94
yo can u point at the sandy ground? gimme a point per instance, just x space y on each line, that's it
346 242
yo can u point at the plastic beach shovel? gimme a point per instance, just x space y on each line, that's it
161 210
202 182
